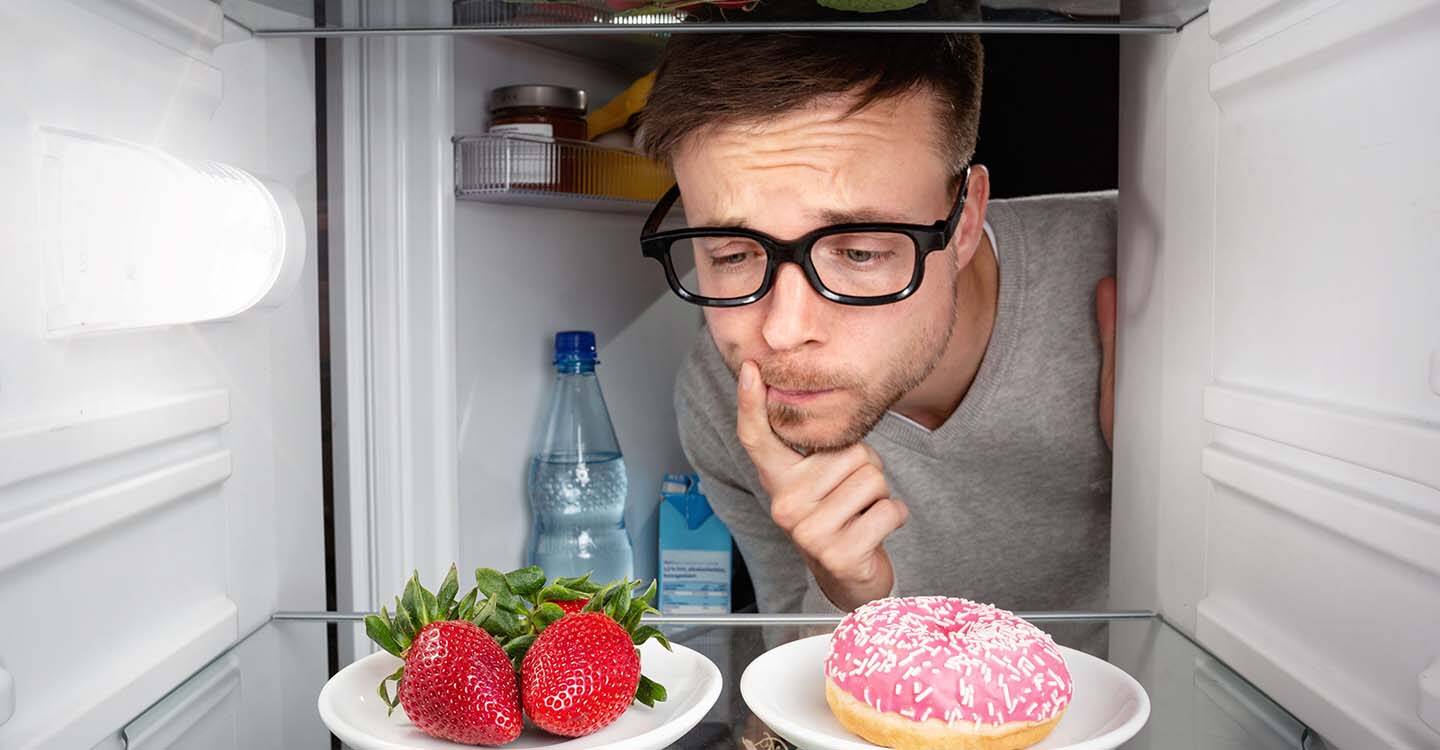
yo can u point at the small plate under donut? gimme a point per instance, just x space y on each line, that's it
785 688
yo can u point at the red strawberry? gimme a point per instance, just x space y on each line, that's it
457 683
580 675
574 606
583 670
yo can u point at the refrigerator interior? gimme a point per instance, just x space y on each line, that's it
1276 493
1276 390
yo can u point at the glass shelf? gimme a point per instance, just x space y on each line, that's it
1197 702
639 27
556 173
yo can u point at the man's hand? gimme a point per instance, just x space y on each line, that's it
835 507
1105 317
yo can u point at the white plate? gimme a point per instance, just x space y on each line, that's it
785 688
351 708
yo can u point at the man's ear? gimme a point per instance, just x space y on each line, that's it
972 217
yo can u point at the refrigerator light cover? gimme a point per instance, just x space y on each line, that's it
135 237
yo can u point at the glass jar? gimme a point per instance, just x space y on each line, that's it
537 115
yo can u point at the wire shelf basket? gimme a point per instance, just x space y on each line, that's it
500 13
536 170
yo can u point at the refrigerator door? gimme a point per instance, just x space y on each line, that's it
160 489
1277 492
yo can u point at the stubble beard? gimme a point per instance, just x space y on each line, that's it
913 364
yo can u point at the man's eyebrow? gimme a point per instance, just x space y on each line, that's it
865 216
724 223
826 217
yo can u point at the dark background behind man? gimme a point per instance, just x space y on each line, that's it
1049 113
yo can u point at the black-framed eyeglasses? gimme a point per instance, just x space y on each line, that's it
852 264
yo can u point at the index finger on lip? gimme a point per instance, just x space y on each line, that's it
752 423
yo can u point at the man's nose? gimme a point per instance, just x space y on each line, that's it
794 310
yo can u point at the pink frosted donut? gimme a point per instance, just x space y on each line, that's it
936 673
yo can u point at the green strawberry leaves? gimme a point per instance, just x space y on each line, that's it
408 605
517 647
385 692
582 584
619 603
503 614
403 621
649 692
506 613
546 614
618 607
646 633
446 598
492 582
380 630
466 610
526 581
558 593
429 605
504 624
417 607
638 609
514 608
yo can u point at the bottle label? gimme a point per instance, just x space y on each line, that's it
526 128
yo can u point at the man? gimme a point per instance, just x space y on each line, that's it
904 403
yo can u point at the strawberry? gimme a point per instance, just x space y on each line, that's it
580 675
583 670
572 641
457 683
572 607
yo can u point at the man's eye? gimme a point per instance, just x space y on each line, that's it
863 257
724 258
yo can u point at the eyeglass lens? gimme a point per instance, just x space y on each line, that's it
862 264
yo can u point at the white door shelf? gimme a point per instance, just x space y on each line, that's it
556 173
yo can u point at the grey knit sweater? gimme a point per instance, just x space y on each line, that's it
1009 498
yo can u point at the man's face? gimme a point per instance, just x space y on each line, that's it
832 369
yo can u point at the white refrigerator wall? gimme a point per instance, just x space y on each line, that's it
159 486
1278 393
523 273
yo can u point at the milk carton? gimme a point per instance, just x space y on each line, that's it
695 561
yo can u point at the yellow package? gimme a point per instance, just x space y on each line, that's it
617 112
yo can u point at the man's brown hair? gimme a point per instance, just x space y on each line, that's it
706 80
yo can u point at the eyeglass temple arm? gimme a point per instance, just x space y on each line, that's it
661 208
953 223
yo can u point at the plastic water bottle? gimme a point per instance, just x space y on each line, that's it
577 479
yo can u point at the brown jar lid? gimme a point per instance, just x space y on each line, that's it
538 95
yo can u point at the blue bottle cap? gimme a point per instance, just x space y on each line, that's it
575 346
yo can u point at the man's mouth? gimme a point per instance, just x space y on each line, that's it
797 397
